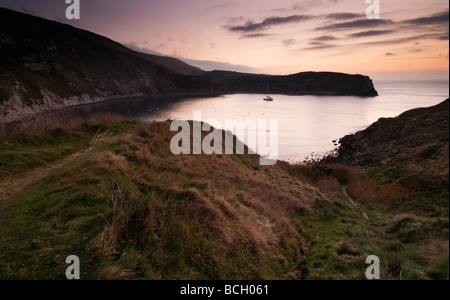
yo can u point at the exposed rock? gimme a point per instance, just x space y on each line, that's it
413 148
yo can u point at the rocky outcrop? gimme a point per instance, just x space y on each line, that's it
412 148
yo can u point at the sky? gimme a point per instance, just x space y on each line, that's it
410 40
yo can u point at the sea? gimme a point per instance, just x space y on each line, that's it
308 126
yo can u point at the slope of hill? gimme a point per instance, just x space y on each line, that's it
173 64
305 83
412 149
47 65
139 211
114 195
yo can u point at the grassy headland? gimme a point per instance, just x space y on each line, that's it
134 210
114 195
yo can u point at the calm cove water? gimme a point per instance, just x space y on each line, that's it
307 124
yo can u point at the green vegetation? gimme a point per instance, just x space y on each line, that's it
26 153
410 241
136 211
44 139
131 210
411 149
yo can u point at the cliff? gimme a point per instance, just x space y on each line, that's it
47 65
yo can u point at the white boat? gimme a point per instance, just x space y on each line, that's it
268 98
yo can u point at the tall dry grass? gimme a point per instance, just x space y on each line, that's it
434 249
330 186
111 236
387 194
43 123
199 199
330 178
393 264
345 247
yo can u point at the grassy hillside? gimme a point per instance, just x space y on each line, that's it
139 212
411 149
114 195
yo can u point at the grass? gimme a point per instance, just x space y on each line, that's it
139 212
44 124
46 138
398 229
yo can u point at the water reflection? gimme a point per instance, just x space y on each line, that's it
307 123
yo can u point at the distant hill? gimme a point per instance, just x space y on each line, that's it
48 65
306 83
413 149
173 64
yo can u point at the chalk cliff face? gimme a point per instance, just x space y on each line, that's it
48 65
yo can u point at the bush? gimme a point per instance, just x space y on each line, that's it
439 270
393 264
345 248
